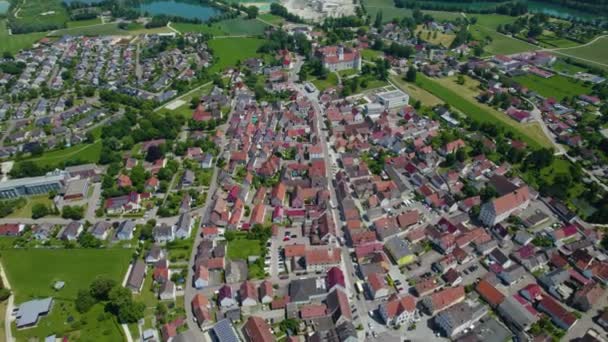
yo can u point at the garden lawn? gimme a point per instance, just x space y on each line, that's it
32 272
556 86
228 51
594 53
83 153
330 81
463 99
370 55
241 248
26 211
15 43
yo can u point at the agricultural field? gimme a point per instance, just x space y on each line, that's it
561 65
229 51
594 53
499 43
463 99
16 42
389 11
110 29
557 86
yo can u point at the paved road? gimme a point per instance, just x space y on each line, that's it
190 291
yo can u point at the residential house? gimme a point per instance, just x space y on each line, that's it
125 230
398 310
443 299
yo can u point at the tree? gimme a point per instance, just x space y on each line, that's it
72 212
39 210
252 12
378 20
100 288
87 240
410 75
84 301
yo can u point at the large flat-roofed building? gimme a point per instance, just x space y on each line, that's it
28 313
393 98
336 58
33 185
76 189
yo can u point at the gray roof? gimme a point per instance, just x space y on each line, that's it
224 332
302 290
515 312
28 312
137 275
397 247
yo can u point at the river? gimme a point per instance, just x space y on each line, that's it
184 9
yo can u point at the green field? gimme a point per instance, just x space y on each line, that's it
463 99
389 11
87 22
416 92
500 44
85 153
228 51
594 53
370 55
230 27
557 86
241 248
14 43
271 18
330 81
26 211
562 66
40 12
32 272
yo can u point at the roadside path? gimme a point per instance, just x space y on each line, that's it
9 308
182 96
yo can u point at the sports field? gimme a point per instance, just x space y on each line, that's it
228 51
463 99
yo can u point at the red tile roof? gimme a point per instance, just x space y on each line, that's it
489 293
